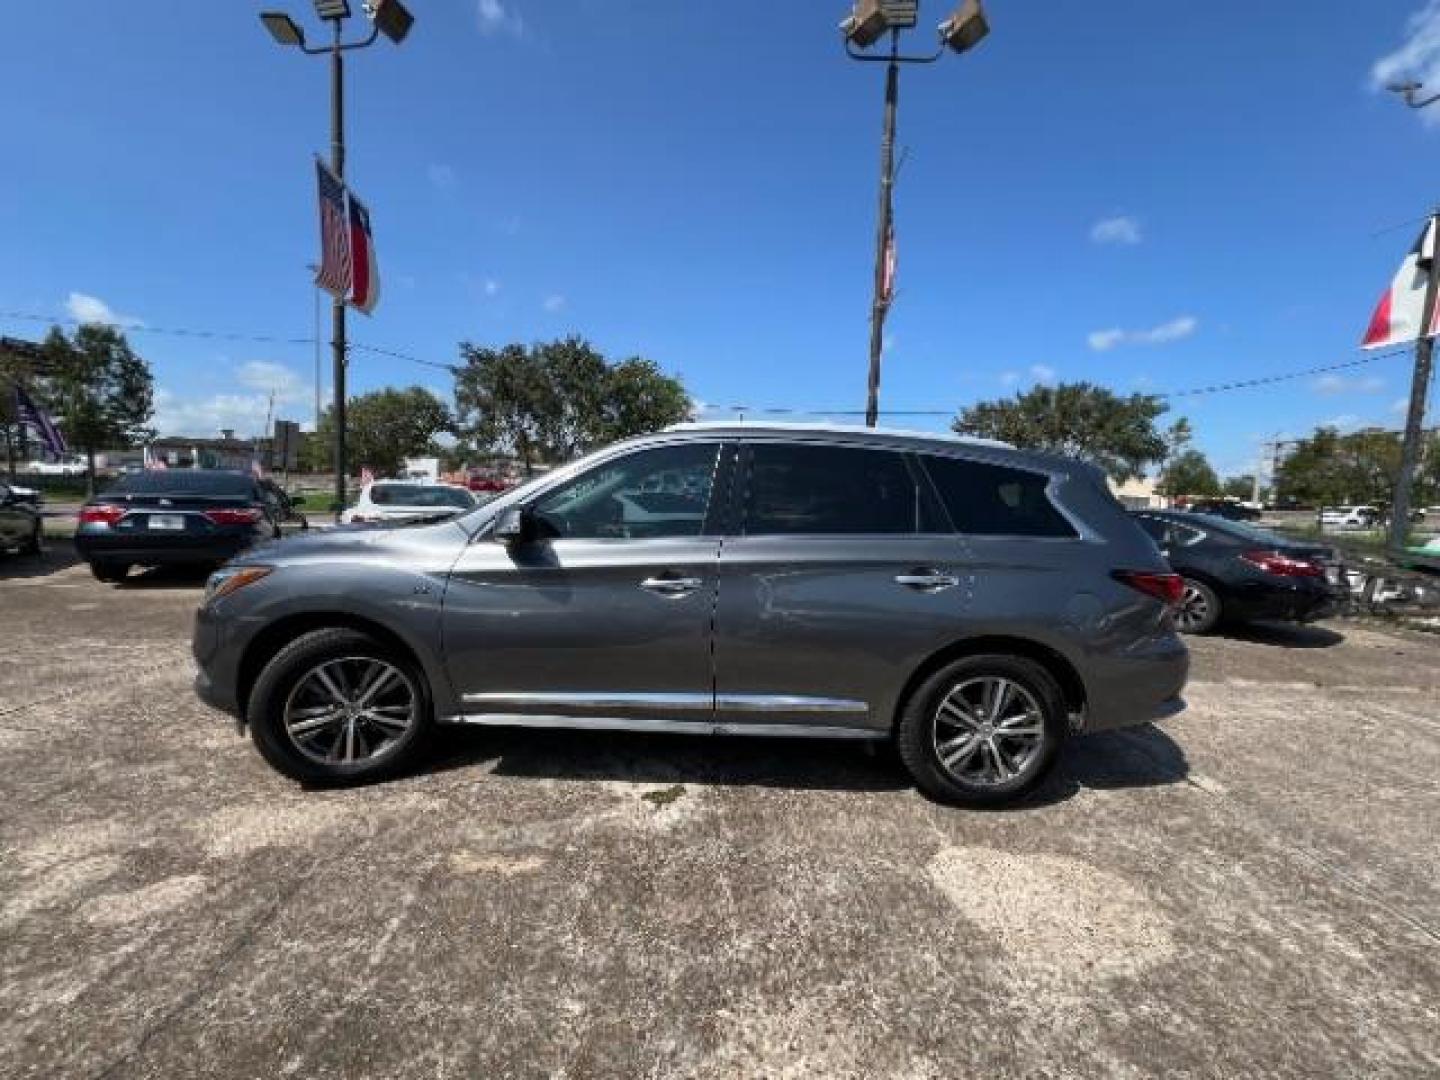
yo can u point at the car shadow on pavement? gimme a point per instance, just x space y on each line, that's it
1133 758
167 577
52 559
1284 635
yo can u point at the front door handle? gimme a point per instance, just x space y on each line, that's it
673 587
923 579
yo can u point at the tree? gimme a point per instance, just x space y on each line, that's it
1331 469
103 393
1189 473
385 427
1078 419
556 400
1239 487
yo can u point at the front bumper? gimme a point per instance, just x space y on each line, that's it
217 680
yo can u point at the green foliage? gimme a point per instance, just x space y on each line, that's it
556 400
1238 487
1189 473
1330 469
382 429
102 393
1077 419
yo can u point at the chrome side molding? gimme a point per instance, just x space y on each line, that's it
641 723
680 702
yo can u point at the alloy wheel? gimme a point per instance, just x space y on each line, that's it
350 710
988 730
1194 608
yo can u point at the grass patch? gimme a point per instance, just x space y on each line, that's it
663 796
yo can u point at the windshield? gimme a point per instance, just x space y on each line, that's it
438 496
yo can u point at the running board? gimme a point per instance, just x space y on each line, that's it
680 727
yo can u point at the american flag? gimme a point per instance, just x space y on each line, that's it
887 276
334 273
33 416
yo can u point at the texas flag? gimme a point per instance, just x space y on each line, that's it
1401 311
365 271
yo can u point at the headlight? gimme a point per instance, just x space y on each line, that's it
226 581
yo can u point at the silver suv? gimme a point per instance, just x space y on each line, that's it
972 602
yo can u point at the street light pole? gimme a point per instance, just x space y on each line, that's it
880 299
337 342
867 23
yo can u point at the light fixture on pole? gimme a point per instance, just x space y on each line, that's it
868 22
391 18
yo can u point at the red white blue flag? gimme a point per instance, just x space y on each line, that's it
334 273
364 270
33 416
1401 316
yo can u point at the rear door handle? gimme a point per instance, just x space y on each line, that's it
671 586
927 580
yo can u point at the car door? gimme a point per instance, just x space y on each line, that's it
606 616
840 574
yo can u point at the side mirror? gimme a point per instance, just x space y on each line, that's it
515 527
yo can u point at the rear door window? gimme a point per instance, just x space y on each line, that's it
994 500
829 491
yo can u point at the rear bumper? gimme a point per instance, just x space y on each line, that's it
1140 685
112 546
1303 601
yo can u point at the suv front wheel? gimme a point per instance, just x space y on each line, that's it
983 730
338 706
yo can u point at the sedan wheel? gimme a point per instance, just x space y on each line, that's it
1199 609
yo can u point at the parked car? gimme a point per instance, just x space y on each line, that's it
1349 517
71 466
1228 509
20 524
175 516
406 500
973 602
287 506
1237 572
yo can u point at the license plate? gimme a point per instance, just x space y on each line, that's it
167 522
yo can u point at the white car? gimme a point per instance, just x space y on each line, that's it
406 500
63 467
1349 517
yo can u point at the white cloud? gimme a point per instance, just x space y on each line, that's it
442 176
1331 385
553 302
1009 378
490 286
499 17
1164 334
1042 373
1417 59
1121 229
245 412
91 309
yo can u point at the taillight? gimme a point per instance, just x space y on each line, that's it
101 515
247 516
1167 588
1273 562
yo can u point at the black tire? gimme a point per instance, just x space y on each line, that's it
32 546
281 679
918 738
109 572
1200 610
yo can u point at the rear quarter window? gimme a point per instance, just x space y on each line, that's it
994 500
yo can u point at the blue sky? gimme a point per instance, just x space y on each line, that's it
1151 196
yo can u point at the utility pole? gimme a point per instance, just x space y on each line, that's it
1415 415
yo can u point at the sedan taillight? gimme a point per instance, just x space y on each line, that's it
1273 562
246 516
101 515
1169 589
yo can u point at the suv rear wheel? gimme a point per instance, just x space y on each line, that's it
983 730
338 706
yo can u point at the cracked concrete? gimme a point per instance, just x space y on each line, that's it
1253 890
